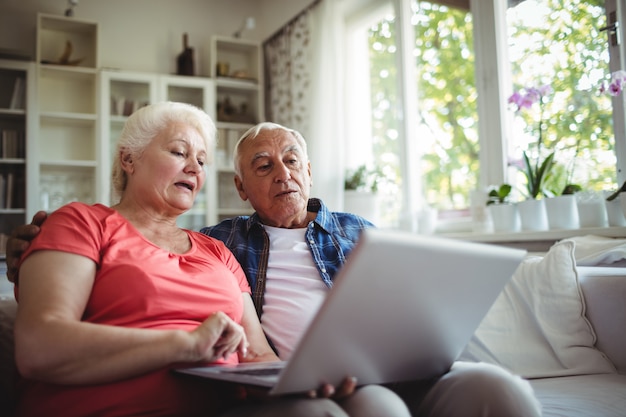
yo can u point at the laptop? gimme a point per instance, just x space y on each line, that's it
403 307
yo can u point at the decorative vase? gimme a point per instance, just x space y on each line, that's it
533 214
184 61
562 212
505 217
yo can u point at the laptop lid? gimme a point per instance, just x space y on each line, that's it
403 307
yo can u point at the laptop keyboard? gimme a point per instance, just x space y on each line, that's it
257 372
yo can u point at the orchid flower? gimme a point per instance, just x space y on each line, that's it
535 171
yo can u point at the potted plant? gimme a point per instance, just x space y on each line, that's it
363 178
361 191
504 214
499 195
614 205
537 161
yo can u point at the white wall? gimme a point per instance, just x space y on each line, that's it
146 35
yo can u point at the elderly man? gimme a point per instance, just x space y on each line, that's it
291 249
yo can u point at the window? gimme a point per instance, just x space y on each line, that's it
418 118
562 48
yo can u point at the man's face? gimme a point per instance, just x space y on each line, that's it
275 178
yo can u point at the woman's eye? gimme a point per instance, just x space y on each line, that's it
177 153
201 162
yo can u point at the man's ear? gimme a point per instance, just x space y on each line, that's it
239 187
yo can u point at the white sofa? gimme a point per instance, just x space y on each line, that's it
561 326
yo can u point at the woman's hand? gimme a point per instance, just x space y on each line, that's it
218 337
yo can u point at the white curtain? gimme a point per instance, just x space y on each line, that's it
305 92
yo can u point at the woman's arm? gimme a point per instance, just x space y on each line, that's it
259 349
54 345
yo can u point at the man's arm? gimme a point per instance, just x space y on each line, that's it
18 243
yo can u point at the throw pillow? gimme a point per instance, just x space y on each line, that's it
537 326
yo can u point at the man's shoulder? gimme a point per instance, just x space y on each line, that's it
227 228
349 222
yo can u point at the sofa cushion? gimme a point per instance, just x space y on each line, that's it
582 396
537 326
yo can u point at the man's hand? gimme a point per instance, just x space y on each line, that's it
18 243
346 388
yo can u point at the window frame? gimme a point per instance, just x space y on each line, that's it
493 84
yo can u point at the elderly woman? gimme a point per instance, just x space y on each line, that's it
112 298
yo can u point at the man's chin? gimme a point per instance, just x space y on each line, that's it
285 215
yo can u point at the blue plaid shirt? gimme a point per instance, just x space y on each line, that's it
330 237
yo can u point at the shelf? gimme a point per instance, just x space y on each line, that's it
16 119
70 165
237 83
75 119
17 113
12 161
65 92
235 57
13 211
536 240
55 33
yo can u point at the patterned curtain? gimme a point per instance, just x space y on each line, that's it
304 91
287 73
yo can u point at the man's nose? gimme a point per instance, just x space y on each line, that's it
283 173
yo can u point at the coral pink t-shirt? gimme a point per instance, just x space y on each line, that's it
138 285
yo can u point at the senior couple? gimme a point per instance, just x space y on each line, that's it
111 298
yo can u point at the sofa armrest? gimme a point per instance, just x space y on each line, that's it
8 372
604 290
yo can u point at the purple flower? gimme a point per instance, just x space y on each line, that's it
525 98
535 165
616 85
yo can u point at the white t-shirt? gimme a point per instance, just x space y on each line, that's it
294 290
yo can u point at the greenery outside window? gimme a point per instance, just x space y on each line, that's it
439 133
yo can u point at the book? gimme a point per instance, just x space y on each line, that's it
11 146
17 98
3 188
8 198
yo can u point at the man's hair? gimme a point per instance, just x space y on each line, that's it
254 132
146 123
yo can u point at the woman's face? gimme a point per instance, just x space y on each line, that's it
170 172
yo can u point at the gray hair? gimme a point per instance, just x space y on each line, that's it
146 123
254 132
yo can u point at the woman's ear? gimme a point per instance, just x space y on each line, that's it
126 161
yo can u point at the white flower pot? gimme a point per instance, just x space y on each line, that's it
562 212
505 217
622 199
614 212
591 210
533 214
362 203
